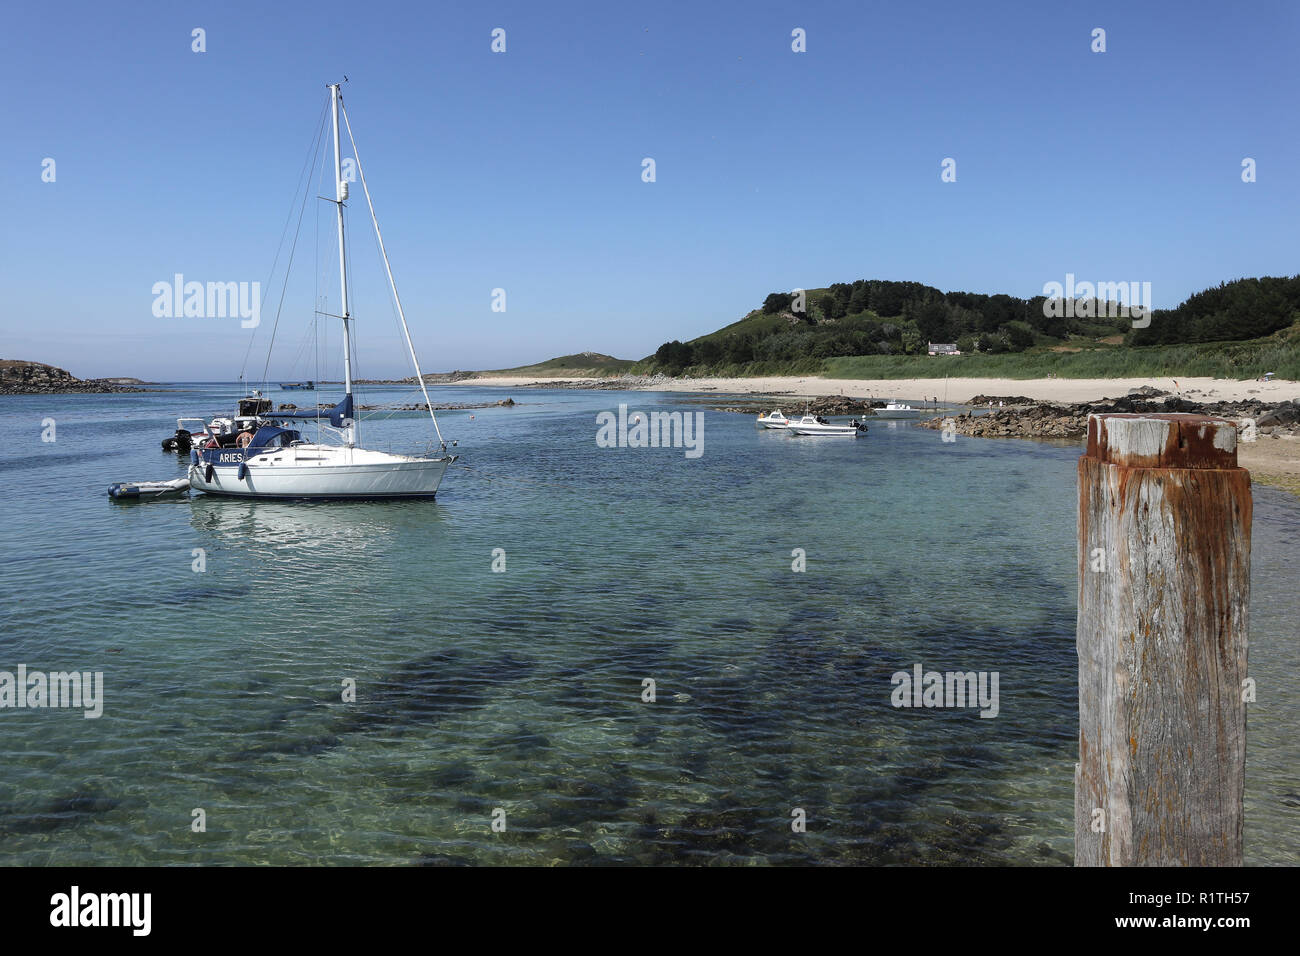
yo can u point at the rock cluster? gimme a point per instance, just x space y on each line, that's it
36 378
996 400
1070 422
821 405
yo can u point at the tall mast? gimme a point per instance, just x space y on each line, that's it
392 284
340 192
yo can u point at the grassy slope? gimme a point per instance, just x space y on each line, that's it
1279 352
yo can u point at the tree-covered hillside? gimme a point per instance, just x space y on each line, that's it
1230 311
799 333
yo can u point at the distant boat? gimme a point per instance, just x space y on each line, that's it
818 426
894 406
298 386
773 420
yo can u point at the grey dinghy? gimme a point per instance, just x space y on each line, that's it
145 490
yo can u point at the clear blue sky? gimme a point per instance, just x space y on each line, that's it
522 170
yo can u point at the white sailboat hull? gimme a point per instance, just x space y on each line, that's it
323 471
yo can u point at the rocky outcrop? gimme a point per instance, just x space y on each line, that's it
421 407
1000 400
1288 413
822 405
1070 422
35 378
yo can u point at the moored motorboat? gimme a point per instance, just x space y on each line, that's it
897 406
773 419
818 426
250 416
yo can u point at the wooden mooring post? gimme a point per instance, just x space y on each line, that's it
1164 595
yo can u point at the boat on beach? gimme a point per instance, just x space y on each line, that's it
815 425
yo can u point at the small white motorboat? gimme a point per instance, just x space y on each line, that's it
147 490
773 420
816 425
895 406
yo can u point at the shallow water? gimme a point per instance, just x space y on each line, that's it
521 691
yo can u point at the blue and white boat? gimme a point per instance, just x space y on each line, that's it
272 460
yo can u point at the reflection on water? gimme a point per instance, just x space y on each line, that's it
522 689
318 533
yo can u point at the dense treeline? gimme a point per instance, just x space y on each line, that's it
1231 311
799 332
877 317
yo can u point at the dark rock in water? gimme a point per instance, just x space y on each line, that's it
456 774
580 853
521 744
194 593
474 805
443 859
734 625
996 400
421 692
296 747
288 407
645 736
1047 852
67 811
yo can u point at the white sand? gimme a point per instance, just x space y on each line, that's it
956 390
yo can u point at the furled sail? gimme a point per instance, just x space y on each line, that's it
340 415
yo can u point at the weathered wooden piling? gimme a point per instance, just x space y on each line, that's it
1164 595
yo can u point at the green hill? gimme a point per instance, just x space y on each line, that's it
880 329
581 365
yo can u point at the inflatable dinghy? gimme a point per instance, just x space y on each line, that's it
148 489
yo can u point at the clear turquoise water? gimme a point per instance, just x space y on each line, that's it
522 690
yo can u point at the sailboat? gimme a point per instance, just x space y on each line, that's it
274 461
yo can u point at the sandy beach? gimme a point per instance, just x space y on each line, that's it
953 390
